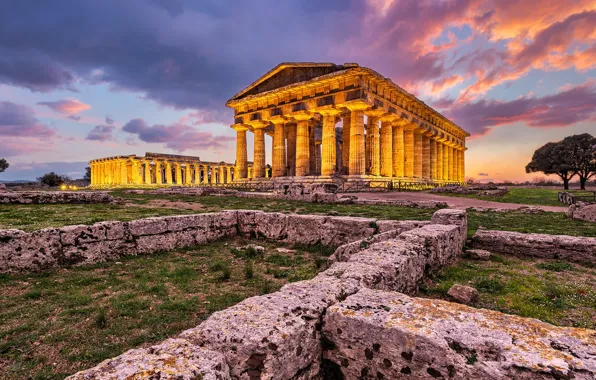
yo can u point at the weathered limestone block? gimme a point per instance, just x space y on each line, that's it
387 335
29 252
442 243
583 212
478 254
81 234
570 248
273 336
453 217
166 241
96 252
400 225
147 226
339 230
173 359
272 225
50 197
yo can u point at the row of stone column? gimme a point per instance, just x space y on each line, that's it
138 172
386 146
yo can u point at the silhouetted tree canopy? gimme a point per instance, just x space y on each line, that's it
573 155
52 179
87 176
3 164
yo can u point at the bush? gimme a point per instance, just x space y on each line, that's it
52 179
249 270
226 273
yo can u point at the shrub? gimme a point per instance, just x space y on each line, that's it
226 272
101 319
249 270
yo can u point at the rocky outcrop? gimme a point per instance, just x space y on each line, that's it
387 335
54 197
562 247
582 212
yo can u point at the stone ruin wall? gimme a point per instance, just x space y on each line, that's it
349 322
585 212
560 247
86 244
54 197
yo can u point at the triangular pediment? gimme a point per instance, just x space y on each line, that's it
286 74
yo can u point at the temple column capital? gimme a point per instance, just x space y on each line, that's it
239 127
356 105
328 110
301 115
278 119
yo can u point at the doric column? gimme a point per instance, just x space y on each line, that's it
279 146
302 143
290 129
338 143
463 164
445 161
206 174
433 159
241 154
213 175
250 173
409 145
425 155
357 144
168 166
229 174
259 151
374 143
417 153
312 155
147 172
222 175
178 171
440 159
345 148
328 140
450 163
187 174
197 173
386 145
158 173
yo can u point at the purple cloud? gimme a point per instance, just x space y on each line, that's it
74 117
18 120
109 120
101 133
177 136
66 106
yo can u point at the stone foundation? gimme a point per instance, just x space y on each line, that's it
387 335
483 190
341 325
562 247
55 197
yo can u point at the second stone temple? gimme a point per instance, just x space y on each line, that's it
345 121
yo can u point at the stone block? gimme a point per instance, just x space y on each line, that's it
455 217
29 252
274 336
185 222
478 254
463 294
147 226
387 335
441 243
82 234
173 359
271 225
96 252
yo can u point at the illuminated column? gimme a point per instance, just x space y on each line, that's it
229 174
116 172
433 159
177 173
158 173
187 174
279 146
409 143
168 166
213 175
135 172
312 158
123 172
463 164
357 159
386 145
374 143
291 149
206 174
449 163
241 155
425 145
222 174
147 172
259 151
445 161
250 172
302 143
345 146
328 140
102 175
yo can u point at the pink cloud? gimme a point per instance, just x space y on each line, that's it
176 136
67 106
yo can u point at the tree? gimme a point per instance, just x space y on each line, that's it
553 158
52 179
87 176
3 164
582 150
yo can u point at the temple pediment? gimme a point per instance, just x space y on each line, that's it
286 74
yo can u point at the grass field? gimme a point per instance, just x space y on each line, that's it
560 293
59 322
530 196
33 217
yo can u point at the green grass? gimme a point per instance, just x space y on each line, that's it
559 293
56 323
530 196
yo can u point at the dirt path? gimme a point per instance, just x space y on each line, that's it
454 202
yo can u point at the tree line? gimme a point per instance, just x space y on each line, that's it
573 156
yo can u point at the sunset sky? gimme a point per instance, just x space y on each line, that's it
514 73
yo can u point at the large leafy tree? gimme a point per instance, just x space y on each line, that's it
87 176
582 155
553 158
3 164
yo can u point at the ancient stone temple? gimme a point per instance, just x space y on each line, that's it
385 134
158 169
